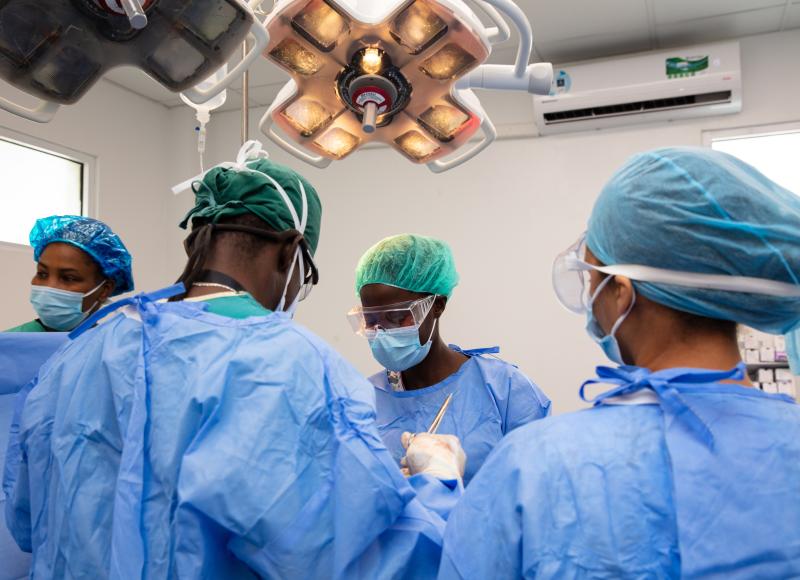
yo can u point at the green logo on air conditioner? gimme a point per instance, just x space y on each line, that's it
686 67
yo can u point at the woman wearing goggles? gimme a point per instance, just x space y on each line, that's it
682 469
404 283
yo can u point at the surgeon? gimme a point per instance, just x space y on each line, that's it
80 264
682 469
211 436
404 283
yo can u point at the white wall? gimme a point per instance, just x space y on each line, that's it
506 214
126 135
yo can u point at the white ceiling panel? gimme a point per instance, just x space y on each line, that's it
721 27
596 46
672 11
567 19
263 96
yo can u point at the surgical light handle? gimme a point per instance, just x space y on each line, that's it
135 13
523 26
259 32
489 137
42 113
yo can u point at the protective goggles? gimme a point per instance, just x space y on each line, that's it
367 321
571 279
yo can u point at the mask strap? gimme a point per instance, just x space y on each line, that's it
624 317
95 289
430 338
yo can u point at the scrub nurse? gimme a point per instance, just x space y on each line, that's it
404 283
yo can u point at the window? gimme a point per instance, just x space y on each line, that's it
771 150
36 183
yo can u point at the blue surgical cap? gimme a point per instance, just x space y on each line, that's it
698 210
93 237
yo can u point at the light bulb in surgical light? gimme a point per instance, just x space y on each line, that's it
418 27
307 116
371 61
297 57
321 24
450 62
444 121
338 143
416 145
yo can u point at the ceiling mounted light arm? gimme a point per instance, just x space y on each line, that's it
259 32
501 31
44 112
517 17
538 79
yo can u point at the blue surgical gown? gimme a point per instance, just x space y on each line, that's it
491 398
702 483
171 442
21 356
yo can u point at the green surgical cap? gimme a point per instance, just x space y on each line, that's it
410 262
227 192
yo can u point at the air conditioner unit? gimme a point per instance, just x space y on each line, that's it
700 81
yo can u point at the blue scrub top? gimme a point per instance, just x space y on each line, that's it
21 356
702 483
491 398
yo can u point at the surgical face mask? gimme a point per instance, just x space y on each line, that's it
399 349
608 342
61 310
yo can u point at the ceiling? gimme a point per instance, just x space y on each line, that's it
565 31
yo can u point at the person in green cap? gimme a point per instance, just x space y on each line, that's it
211 436
405 283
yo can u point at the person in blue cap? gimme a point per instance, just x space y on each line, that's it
80 264
213 437
681 469
404 283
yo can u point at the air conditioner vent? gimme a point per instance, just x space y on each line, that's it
682 102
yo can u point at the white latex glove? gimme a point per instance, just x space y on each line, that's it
439 456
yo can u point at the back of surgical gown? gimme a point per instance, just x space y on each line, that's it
191 445
627 491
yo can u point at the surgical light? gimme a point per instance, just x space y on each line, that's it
338 142
417 27
397 72
372 61
321 24
295 56
444 121
416 145
307 115
58 51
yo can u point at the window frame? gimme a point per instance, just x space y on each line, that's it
749 131
89 177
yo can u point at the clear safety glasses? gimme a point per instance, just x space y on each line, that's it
571 279
402 315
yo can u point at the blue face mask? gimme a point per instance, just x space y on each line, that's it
607 342
399 349
61 310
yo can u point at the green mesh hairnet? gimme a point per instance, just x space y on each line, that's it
227 192
410 262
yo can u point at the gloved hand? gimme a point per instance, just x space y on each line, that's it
439 456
